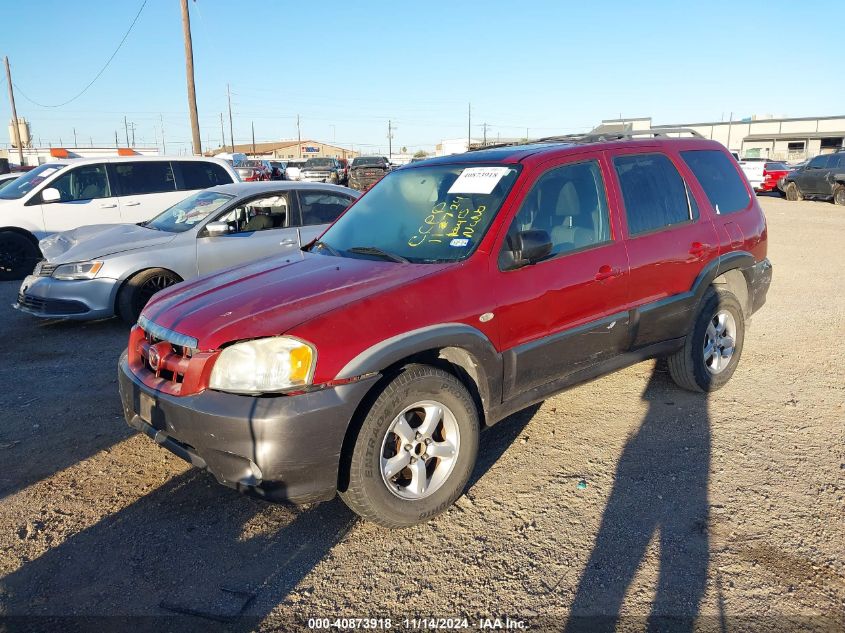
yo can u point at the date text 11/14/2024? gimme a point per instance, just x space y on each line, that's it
418 624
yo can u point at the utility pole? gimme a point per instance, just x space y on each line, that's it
730 124
469 125
189 72
132 127
389 140
75 142
222 134
116 142
163 144
231 134
299 135
91 138
252 123
126 128
485 126
17 131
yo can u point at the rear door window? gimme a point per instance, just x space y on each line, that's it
198 174
321 207
655 195
719 179
144 177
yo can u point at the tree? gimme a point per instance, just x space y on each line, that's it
404 150
421 154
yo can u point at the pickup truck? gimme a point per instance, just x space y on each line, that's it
366 171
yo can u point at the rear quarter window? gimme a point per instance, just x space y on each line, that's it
201 175
719 178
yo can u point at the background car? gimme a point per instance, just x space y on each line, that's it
65 194
5 179
365 171
253 171
293 171
278 170
823 177
773 173
102 270
322 170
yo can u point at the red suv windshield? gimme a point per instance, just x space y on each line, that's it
429 214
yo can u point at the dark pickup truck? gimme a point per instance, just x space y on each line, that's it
366 171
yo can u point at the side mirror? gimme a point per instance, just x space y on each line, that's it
216 229
51 194
529 247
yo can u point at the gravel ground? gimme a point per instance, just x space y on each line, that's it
726 508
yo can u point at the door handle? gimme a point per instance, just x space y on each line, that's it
698 250
108 206
607 272
287 242
133 203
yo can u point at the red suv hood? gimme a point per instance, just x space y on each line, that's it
271 296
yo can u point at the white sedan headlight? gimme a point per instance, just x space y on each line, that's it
264 365
79 270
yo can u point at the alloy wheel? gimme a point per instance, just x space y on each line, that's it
719 341
419 450
152 286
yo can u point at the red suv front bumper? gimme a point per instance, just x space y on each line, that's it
277 447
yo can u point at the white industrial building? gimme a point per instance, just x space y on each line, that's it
759 136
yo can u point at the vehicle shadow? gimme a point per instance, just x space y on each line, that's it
660 491
192 555
191 547
58 394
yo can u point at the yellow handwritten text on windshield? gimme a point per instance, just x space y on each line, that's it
449 220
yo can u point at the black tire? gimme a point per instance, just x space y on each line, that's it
792 192
139 289
839 195
367 492
688 366
18 255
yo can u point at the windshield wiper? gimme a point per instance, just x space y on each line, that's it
331 249
374 250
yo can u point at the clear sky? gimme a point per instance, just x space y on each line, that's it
348 67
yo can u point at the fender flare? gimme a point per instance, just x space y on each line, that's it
486 361
735 260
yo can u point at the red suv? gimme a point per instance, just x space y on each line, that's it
452 294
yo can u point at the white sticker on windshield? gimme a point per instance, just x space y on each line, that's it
478 180
48 171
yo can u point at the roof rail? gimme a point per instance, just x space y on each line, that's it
597 137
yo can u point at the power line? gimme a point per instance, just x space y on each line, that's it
102 70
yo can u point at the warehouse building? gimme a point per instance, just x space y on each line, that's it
289 149
763 136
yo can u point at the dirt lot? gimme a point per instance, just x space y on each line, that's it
726 508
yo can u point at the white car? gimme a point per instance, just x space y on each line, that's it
65 194
754 169
5 179
293 171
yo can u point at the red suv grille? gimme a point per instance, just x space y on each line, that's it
166 361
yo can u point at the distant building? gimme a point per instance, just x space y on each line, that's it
34 156
758 136
289 149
